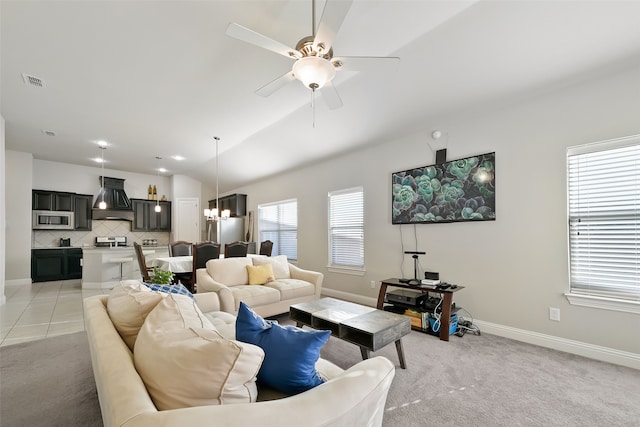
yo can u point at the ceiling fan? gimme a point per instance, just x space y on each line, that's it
314 66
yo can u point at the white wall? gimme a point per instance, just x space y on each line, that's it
513 268
3 222
18 216
56 176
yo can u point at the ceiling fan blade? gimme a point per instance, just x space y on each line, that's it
364 63
244 34
332 17
276 84
330 96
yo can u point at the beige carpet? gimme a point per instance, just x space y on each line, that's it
470 381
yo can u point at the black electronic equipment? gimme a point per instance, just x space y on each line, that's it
430 275
407 297
430 304
415 253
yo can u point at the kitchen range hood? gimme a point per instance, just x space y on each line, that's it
118 204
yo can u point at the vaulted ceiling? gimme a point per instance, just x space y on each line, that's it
161 78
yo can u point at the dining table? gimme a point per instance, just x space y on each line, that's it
175 264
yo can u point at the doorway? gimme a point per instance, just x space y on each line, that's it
187 224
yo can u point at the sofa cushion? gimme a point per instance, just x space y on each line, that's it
254 295
177 288
225 323
260 274
230 271
128 305
279 264
184 362
290 352
292 288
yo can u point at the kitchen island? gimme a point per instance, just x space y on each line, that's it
101 265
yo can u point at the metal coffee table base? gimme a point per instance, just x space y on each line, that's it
366 327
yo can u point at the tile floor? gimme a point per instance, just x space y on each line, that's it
41 310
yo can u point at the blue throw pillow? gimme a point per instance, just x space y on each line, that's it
290 353
177 288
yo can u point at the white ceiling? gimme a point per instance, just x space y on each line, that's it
161 78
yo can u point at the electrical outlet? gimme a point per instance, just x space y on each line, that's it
554 314
373 284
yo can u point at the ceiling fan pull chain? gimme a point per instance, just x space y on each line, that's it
313 108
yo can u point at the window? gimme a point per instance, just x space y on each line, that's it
278 222
346 229
604 224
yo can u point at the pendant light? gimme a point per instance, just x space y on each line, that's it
212 214
158 208
102 204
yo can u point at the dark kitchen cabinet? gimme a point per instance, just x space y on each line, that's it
80 204
145 218
236 203
42 200
56 264
83 211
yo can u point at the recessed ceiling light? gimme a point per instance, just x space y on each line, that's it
102 143
177 158
98 160
163 170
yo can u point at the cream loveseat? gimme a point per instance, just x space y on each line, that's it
355 397
229 278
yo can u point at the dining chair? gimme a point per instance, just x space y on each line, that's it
236 249
142 263
203 252
266 247
180 248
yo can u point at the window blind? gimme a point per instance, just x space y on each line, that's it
346 228
278 222
604 219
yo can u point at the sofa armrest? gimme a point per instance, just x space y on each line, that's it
355 398
314 277
206 284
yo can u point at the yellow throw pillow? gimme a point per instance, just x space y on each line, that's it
260 274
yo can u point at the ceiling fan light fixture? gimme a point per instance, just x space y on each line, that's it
313 71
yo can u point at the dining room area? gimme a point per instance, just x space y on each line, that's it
187 257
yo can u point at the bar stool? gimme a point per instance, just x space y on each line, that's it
121 261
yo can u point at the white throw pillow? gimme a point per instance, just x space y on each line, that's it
279 264
184 362
128 305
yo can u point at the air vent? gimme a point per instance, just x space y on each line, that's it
32 80
48 132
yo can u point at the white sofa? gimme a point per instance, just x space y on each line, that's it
355 397
228 277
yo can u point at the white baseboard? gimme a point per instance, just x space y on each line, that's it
25 281
99 285
604 354
359 299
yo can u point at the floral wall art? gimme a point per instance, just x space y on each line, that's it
459 190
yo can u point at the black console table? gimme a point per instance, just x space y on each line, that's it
447 299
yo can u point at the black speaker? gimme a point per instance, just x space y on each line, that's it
441 156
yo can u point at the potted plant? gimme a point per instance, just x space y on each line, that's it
161 277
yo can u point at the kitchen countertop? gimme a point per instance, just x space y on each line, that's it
58 247
122 248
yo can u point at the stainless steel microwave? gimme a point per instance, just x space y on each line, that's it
53 220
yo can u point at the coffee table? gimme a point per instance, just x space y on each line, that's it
367 327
